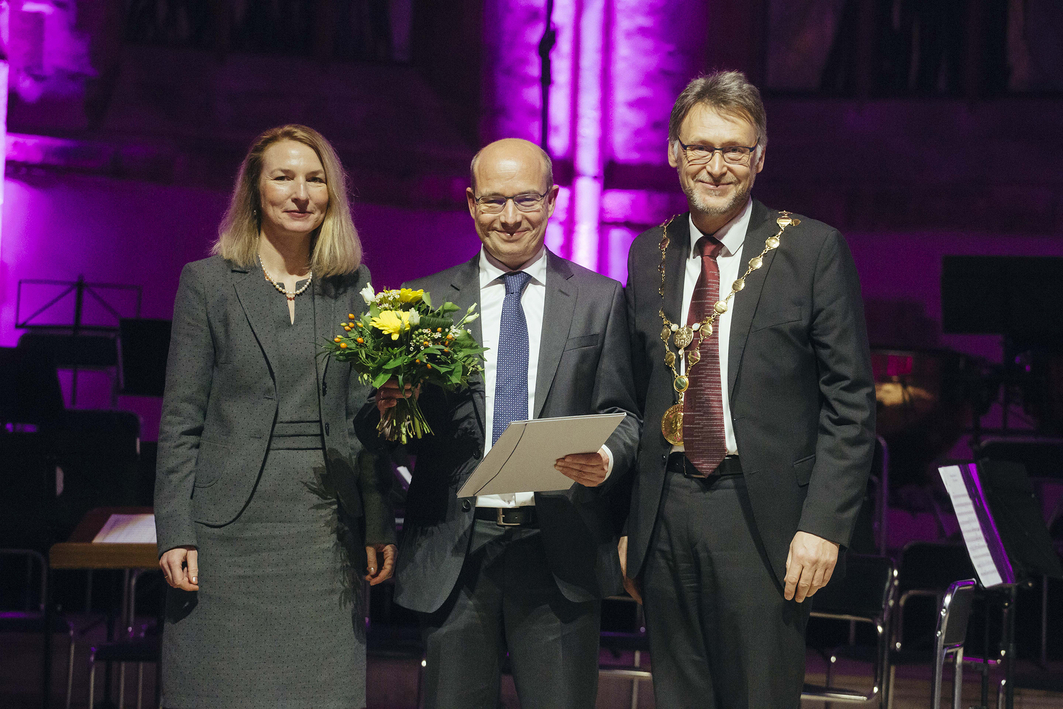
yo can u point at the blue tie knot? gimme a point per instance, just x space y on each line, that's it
515 282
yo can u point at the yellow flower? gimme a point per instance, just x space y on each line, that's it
411 296
392 322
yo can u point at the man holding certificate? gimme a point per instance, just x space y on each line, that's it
522 573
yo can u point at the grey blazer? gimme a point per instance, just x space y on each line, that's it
220 404
584 368
798 378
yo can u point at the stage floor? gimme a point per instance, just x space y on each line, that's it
392 683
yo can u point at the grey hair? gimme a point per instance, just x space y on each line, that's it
729 93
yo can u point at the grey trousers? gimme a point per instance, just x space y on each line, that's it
721 634
506 600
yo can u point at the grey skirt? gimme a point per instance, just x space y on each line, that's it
278 621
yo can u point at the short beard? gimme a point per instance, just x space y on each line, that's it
737 201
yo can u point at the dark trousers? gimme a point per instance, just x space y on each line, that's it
721 634
506 599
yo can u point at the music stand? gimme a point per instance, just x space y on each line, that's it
1005 536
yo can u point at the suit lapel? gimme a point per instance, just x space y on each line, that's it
761 226
465 292
561 294
675 267
257 312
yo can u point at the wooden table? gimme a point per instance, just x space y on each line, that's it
80 552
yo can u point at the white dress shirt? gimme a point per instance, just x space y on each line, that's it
732 235
533 301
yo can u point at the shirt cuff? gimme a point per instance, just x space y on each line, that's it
608 460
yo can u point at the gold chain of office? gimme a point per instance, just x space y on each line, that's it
683 335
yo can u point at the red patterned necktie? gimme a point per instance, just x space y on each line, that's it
703 430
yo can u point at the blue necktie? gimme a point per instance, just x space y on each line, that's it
511 370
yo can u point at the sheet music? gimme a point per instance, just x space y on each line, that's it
127 529
967 517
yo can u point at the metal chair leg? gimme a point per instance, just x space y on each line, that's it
935 689
957 680
140 685
70 672
92 683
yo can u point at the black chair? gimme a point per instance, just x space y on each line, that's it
140 646
141 650
634 641
925 570
31 618
865 595
953 614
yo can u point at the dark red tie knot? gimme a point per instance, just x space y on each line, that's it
709 247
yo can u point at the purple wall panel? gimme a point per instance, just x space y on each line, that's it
657 47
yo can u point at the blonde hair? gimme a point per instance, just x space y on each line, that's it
334 247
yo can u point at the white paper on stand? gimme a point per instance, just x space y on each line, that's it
523 458
127 529
970 526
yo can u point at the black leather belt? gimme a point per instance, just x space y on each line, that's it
679 463
509 516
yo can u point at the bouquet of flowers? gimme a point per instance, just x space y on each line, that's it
402 336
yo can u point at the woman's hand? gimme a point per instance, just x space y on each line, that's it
381 565
180 566
389 394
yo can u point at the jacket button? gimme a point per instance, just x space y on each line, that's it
326 429
466 505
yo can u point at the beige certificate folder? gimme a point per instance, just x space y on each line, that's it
523 458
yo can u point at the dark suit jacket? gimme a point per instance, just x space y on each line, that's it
583 368
220 403
798 377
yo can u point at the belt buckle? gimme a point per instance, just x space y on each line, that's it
500 518
690 471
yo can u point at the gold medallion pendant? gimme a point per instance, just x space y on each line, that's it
672 424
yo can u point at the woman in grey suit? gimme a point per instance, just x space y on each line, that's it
267 509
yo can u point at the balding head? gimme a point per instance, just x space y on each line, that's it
511 199
516 151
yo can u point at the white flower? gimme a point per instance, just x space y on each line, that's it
367 294
415 318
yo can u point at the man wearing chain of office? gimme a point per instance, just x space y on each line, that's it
753 372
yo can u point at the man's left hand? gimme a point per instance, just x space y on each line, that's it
588 469
809 565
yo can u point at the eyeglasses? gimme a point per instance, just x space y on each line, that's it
732 154
525 202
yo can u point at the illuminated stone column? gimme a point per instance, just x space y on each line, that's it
617 66
3 152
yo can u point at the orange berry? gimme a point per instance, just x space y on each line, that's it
429 366
439 329
343 345
417 361
337 338
359 340
350 316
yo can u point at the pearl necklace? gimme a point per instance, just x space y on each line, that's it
289 294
